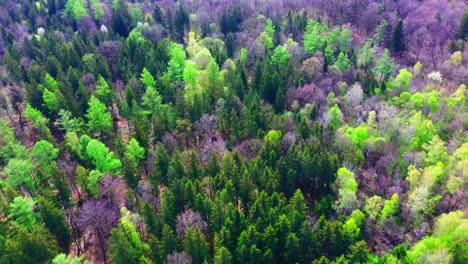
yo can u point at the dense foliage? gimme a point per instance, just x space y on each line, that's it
328 131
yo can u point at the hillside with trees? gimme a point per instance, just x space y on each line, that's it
233 131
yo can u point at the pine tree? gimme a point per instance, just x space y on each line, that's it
397 38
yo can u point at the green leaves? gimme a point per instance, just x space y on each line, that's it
313 38
102 158
21 211
76 8
99 119
125 245
18 171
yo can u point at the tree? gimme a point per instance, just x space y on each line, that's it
266 38
385 66
54 219
463 28
21 211
102 158
366 55
44 153
98 118
390 207
347 188
76 8
176 63
342 64
313 38
396 42
125 245
23 245
103 90
404 78
134 152
18 173
67 122
359 252
222 256
195 245
67 259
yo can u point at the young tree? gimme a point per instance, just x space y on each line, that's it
396 42
385 66
195 245
125 245
99 119
102 158
21 211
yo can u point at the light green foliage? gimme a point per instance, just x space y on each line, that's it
50 100
190 73
102 158
147 79
39 122
458 169
18 172
313 37
134 152
336 117
424 130
76 8
385 65
421 202
98 118
67 122
358 135
342 63
274 137
103 90
136 37
390 207
447 243
96 8
456 58
344 38
152 100
358 217
21 211
351 230
62 258
347 188
373 207
176 64
125 245
192 45
280 56
379 34
404 78
435 151
266 37
92 184
366 55
222 256
9 146
458 97
213 74
44 153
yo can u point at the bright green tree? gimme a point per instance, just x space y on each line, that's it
125 245
102 158
99 119
21 211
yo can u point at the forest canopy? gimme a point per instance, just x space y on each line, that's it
327 131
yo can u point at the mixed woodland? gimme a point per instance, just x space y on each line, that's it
242 131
